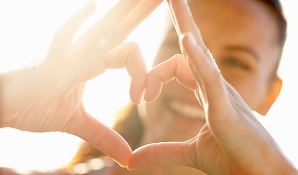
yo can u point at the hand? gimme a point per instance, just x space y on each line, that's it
48 96
232 141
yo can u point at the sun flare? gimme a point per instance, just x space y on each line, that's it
26 32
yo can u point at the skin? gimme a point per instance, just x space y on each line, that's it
234 51
52 90
242 37
47 96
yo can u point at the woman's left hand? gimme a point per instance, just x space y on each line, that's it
232 141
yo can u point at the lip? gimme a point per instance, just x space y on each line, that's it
185 108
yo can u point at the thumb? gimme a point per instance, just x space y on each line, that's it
164 153
103 138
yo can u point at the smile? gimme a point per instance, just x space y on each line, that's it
187 110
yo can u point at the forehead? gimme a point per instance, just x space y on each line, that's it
249 23
239 16
252 8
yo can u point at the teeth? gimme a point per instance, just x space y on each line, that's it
187 110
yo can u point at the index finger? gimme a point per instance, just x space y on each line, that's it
183 19
140 12
164 153
175 67
118 22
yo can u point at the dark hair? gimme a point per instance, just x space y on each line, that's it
128 123
276 7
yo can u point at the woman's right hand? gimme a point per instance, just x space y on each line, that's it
48 96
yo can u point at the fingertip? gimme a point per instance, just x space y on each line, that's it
137 98
187 38
150 97
130 163
137 87
153 88
121 155
125 162
136 90
136 160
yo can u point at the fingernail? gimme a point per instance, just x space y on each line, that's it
191 39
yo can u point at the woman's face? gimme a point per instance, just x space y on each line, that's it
242 37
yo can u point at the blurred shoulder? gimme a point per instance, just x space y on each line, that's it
96 166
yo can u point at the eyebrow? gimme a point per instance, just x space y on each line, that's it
243 49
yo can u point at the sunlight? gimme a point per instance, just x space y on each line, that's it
26 32
25 150
28 27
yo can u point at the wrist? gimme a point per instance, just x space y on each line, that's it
282 165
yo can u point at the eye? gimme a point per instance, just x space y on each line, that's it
236 63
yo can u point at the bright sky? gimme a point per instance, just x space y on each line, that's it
26 31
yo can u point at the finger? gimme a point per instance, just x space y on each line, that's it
141 11
164 153
123 18
182 18
103 138
175 67
107 24
205 70
64 36
129 55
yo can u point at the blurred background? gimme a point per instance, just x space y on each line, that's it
27 28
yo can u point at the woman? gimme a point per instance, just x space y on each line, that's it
246 39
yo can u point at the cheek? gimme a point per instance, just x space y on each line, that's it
252 84
251 90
